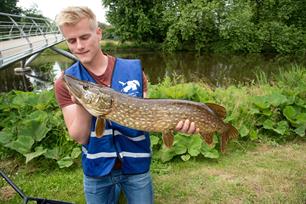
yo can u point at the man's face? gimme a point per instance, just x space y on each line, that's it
83 40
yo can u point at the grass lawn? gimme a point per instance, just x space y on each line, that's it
267 173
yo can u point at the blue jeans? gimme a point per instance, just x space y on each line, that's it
137 188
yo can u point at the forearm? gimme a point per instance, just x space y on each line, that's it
78 122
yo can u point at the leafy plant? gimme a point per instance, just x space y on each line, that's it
32 125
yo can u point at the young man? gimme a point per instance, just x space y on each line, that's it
122 156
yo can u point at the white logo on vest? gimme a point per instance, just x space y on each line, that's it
130 87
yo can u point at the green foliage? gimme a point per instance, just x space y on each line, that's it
277 112
9 6
188 147
194 26
237 31
212 25
32 125
134 20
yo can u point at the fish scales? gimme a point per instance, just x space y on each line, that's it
159 115
152 115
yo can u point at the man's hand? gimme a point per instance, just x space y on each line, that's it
187 127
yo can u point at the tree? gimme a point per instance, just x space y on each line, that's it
212 25
33 12
9 6
135 20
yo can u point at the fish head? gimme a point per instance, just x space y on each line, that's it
95 98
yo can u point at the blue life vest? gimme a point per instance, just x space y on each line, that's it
131 146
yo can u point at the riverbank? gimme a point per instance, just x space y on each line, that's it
115 45
265 173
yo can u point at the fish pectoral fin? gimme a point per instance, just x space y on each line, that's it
100 126
207 137
168 138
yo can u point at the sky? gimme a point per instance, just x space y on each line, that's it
50 8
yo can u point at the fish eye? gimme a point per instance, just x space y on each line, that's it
85 87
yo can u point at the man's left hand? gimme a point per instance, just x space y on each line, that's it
187 127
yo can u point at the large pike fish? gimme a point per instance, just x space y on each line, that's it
151 115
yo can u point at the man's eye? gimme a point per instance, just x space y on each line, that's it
70 41
85 37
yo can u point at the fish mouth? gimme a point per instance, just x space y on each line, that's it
74 85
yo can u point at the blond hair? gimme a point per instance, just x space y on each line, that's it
74 14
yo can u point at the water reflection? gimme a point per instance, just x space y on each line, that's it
217 70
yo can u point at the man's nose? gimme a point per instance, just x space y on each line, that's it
80 44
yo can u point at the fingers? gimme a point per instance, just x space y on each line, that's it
192 128
179 125
187 127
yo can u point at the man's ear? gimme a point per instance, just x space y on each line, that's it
99 32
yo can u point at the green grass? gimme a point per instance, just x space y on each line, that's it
265 173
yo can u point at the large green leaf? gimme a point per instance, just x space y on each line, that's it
194 147
281 127
261 102
167 154
277 99
23 144
301 119
290 113
268 124
209 152
35 126
267 112
243 131
75 152
65 162
185 157
154 140
38 151
53 153
180 144
45 99
6 136
301 130
23 99
179 148
253 134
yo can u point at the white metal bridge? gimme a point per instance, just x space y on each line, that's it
22 38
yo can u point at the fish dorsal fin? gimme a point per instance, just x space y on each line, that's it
219 110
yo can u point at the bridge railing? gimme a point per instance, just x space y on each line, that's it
10 31
22 36
21 26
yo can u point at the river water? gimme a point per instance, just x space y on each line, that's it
216 70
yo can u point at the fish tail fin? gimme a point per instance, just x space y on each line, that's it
231 133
